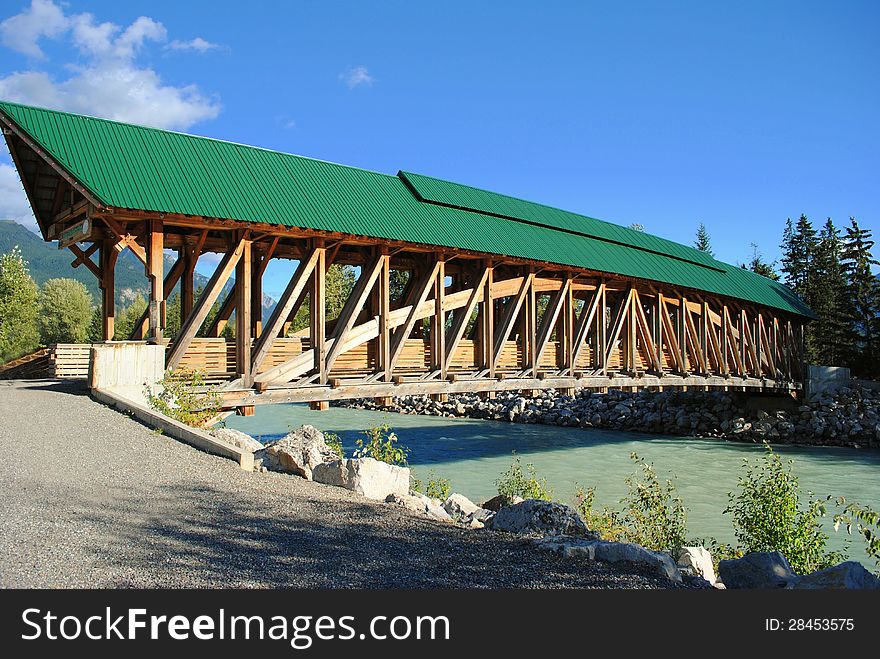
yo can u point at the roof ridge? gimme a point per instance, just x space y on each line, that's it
552 208
190 135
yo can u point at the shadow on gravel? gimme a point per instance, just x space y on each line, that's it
197 536
69 387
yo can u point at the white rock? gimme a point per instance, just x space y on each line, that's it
419 503
458 505
538 516
757 570
298 452
371 478
660 562
698 561
237 438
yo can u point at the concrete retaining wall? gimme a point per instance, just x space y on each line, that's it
126 368
825 378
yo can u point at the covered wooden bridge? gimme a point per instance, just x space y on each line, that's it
500 294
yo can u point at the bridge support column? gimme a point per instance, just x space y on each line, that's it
155 264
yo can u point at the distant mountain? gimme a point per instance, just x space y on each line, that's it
46 261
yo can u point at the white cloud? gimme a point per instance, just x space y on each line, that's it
198 44
23 31
357 76
13 201
109 82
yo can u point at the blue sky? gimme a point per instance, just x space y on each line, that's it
661 113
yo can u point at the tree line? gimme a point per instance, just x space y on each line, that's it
830 269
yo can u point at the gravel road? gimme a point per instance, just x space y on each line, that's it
91 498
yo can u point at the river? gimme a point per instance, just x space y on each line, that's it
473 453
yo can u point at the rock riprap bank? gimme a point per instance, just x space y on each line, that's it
849 416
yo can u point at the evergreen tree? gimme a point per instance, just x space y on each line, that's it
799 244
861 304
702 241
18 307
65 311
758 265
826 295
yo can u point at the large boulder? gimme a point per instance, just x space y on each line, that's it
757 570
237 439
660 563
498 502
568 547
366 476
298 452
419 503
697 561
539 517
656 562
850 575
458 505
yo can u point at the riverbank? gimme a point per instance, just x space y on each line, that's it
94 499
848 417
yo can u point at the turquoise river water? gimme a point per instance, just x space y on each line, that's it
473 453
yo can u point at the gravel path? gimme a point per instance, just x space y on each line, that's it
91 498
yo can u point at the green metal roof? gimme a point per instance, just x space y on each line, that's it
127 166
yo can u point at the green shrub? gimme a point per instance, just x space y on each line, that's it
866 522
334 442
653 515
768 515
415 484
437 488
381 444
605 522
518 483
184 396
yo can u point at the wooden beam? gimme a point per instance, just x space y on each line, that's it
155 267
551 314
224 313
438 322
421 289
383 291
353 305
463 316
243 292
585 321
318 312
125 239
670 335
83 258
644 330
487 323
509 317
142 326
617 326
108 289
282 311
205 302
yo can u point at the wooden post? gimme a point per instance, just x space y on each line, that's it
438 322
186 281
487 323
682 333
155 263
243 283
107 257
531 328
602 327
257 294
383 291
725 321
318 312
